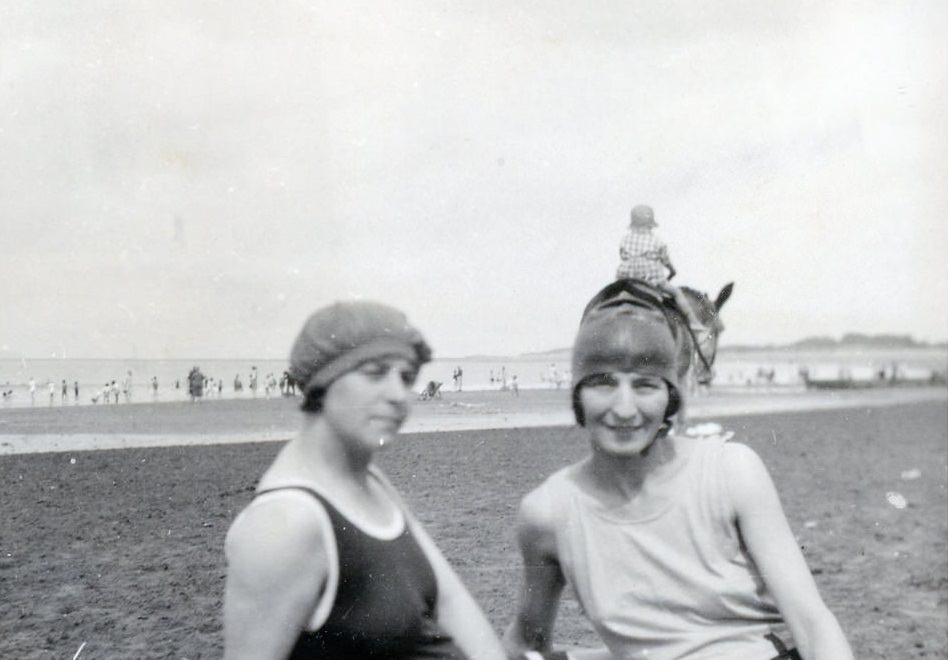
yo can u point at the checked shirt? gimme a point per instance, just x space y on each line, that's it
644 257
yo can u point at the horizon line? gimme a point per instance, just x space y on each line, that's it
476 356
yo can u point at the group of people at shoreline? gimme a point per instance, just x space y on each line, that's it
676 547
196 386
199 385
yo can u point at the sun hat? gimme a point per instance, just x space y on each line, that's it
642 216
338 338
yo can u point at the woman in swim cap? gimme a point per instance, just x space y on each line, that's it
675 547
327 561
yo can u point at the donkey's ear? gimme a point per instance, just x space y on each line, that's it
723 295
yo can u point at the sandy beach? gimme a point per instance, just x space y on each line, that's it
57 429
118 554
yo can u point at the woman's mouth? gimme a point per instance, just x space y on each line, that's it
625 428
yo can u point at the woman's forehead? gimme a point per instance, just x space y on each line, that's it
630 374
393 361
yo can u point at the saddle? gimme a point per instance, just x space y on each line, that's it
637 293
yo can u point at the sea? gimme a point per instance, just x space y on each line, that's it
95 375
754 369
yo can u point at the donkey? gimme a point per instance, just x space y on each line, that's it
706 348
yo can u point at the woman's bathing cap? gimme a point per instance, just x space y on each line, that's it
338 338
625 338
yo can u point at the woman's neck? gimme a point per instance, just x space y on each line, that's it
317 456
624 477
319 452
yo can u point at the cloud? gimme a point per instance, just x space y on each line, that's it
190 178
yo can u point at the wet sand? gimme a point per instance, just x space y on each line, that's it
225 421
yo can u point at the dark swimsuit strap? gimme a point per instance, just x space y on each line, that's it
783 653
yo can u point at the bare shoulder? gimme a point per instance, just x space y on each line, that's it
742 462
738 451
277 536
538 507
747 478
540 514
533 519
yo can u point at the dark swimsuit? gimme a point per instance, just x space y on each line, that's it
384 605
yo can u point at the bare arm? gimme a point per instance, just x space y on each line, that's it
543 580
457 612
771 544
276 569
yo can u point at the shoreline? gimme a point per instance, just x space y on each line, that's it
41 430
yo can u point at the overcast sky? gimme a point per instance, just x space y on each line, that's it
183 179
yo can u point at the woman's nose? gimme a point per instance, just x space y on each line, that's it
395 387
625 405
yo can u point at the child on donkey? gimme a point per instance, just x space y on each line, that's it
645 257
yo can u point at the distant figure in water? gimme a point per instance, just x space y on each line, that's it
253 382
556 378
287 384
195 384
154 387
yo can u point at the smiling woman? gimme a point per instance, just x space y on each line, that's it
625 412
675 547
326 561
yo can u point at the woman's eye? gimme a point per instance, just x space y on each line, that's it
374 369
381 370
646 385
601 380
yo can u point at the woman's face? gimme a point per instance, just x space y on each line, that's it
624 411
367 405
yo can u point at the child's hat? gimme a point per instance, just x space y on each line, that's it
643 216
